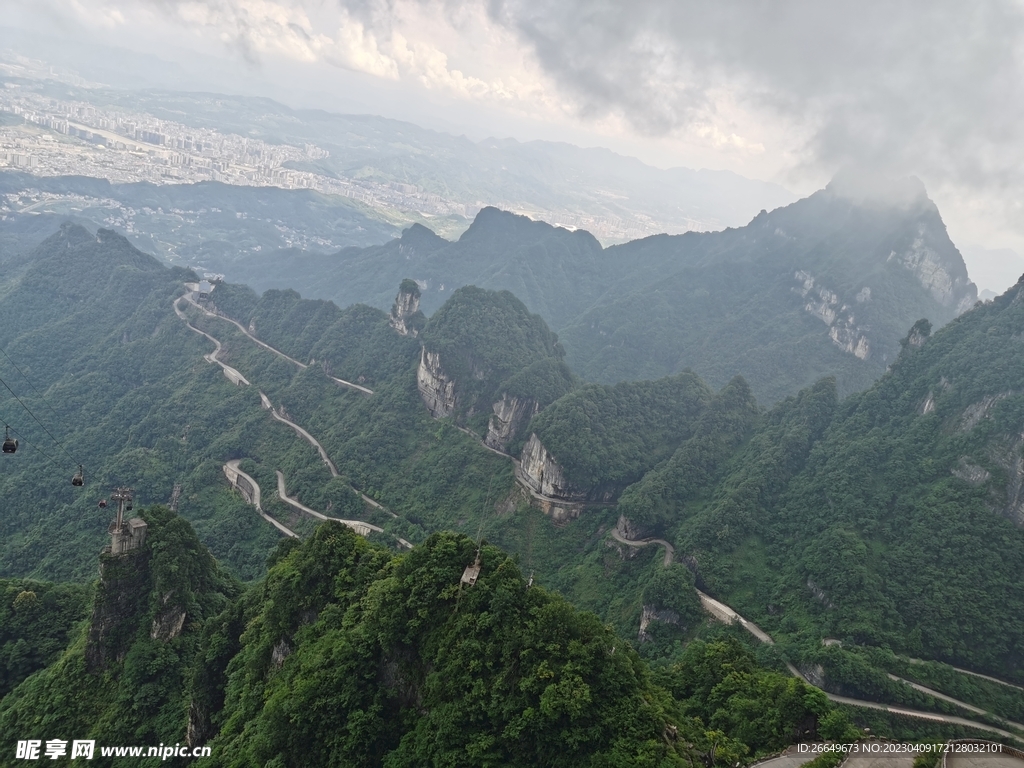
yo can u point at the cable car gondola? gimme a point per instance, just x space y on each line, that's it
79 479
102 504
10 444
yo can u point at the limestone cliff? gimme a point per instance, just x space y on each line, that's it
933 273
510 415
843 329
482 345
119 603
650 615
405 316
542 473
436 389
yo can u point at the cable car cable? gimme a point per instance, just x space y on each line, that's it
73 460
34 447
34 387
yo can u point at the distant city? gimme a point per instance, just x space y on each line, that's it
122 146
57 137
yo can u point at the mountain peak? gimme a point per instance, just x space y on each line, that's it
419 235
491 221
862 186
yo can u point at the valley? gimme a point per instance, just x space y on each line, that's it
724 612
512 384
638 500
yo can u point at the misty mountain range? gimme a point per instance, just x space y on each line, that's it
825 286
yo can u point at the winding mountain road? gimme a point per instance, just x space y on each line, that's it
719 610
670 551
517 471
279 353
320 449
250 489
727 615
301 432
975 674
233 375
252 494
363 529
231 468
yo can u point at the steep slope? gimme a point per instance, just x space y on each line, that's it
490 673
123 679
825 286
904 526
113 374
591 443
500 251
37 621
485 356
345 654
816 518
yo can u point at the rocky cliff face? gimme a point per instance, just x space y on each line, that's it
928 266
436 389
120 600
406 306
650 615
540 471
630 529
825 304
510 415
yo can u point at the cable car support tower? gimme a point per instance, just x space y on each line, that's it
125 535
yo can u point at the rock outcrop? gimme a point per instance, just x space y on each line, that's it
510 415
541 472
119 603
931 271
825 304
650 615
405 316
970 472
630 529
436 389
169 622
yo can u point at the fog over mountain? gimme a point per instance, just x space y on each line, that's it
787 92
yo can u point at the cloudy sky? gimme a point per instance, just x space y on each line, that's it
786 91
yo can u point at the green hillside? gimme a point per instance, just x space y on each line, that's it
887 522
348 655
120 380
826 286
900 527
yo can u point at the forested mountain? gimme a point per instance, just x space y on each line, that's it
887 521
205 225
825 286
347 655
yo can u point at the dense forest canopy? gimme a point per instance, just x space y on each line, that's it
345 654
889 521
